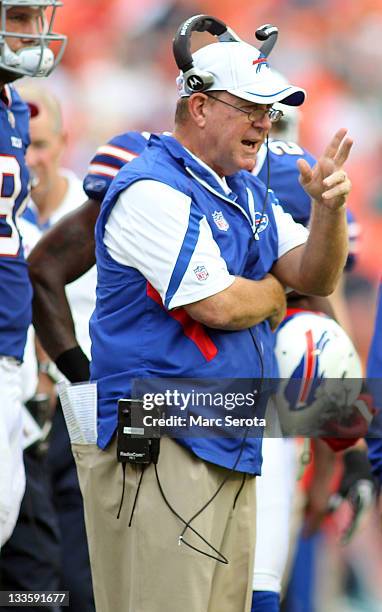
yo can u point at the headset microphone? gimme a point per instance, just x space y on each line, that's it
268 34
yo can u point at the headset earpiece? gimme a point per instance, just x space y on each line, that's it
196 80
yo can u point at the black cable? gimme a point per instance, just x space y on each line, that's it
266 190
258 350
136 495
239 491
232 469
225 479
123 493
188 523
123 489
223 559
268 161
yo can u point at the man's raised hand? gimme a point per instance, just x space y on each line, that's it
327 182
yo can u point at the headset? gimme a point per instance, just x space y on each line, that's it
196 80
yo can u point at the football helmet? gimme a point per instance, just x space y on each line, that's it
286 128
38 59
321 376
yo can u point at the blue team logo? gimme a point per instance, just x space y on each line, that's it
261 222
220 221
260 63
300 391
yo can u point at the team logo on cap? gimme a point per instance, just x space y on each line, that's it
220 221
260 62
201 273
195 83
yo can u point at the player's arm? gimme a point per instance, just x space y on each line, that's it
62 255
67 251
313 303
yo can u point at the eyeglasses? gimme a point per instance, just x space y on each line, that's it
256 114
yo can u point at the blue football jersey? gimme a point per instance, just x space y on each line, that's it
374 376
109 159
374 364
16 290
284 175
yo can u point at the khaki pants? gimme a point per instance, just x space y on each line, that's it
142 568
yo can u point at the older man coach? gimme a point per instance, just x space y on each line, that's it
192 270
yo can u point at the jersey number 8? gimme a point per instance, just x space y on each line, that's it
10 188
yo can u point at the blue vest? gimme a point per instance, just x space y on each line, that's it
133 333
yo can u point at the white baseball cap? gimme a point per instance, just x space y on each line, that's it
243 71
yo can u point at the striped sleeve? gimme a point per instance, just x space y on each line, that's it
109 159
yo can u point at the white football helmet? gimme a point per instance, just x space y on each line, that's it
37 59
320 372
286 128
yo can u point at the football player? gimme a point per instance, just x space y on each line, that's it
276 491
52 493
25 38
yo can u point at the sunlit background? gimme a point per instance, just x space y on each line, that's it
118 74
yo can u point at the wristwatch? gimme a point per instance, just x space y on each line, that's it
50 369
